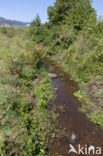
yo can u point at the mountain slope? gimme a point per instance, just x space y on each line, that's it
12 23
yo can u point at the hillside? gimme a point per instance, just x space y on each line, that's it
12 23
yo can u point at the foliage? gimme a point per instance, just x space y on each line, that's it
24 124
79 94
44 93
75 13
81 15
75 35
10 32
36 22
82 55
97 117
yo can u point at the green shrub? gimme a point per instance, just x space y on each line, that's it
10 32
25 121
44 93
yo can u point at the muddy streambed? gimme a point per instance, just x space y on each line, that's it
71 118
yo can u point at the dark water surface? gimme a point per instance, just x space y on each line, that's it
71 118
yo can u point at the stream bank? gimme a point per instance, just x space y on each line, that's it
71 118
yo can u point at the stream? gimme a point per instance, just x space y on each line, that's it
71 118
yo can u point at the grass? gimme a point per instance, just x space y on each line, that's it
24 96
80 52
83 60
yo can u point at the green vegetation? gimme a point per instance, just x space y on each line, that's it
24 94
74 37
74 34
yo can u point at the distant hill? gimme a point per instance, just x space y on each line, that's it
12 23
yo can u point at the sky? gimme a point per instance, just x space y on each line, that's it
26 10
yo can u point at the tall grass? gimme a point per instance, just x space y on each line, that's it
24 95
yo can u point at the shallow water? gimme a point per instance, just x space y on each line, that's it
71 118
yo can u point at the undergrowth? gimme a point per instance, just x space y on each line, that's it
25 93
74 36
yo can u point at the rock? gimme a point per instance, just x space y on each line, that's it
61 75
55 89
52 75
71 79
74 138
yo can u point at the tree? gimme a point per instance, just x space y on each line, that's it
58 12
81 15
50 11
72 12
36 21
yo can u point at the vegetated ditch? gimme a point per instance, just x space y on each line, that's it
76 123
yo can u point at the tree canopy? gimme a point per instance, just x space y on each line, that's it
75 12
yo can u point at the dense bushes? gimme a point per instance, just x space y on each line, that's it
76 36
10 32
27 64
24 94
82 54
